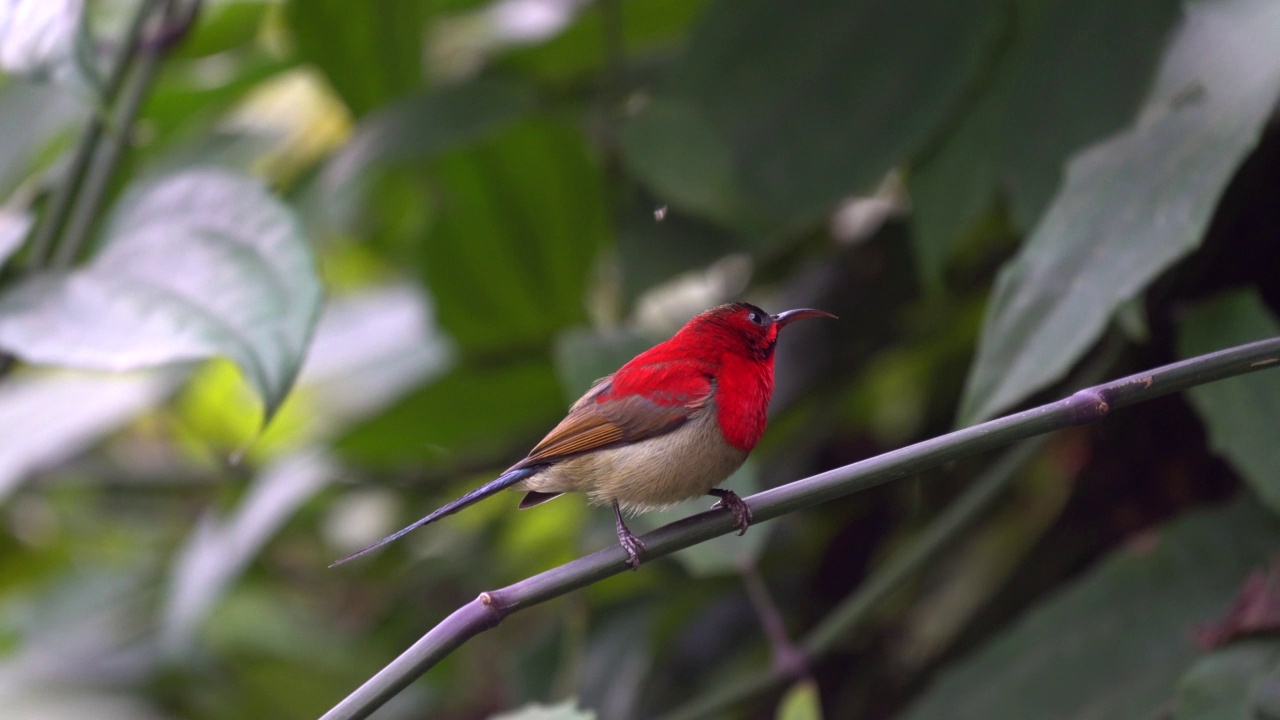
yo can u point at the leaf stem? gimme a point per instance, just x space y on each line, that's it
65 194
1085 406
107 154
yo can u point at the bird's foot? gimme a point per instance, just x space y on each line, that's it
634 546
730 501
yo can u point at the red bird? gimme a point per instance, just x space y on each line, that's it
668 426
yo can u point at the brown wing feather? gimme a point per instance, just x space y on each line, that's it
591 424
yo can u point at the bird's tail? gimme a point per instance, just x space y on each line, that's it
502 482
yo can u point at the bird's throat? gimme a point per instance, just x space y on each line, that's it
743 390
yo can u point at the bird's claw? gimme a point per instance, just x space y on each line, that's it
730 501
634 546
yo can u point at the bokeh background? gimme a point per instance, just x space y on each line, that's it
448 217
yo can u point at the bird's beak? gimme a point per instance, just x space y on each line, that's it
783 319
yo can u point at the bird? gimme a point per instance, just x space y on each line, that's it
669 425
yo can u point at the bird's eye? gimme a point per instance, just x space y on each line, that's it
756 317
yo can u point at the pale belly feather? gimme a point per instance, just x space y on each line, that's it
654 473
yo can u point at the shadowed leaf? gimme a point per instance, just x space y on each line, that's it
1112 645
1132 205
1070 73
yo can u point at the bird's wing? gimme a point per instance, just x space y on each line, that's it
630 405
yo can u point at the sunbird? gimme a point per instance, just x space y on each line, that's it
670 425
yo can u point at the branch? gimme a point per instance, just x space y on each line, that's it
1086 406
854 610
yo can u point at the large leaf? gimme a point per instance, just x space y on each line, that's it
368 350
521 219
194 265
1071 73
674 149
1130 206
471 413
836 94
418 127
1241 413
371 52
1113 645
48 417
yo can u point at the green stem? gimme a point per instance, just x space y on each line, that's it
1086 406
107 155
65 194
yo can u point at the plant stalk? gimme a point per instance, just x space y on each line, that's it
65 194
107 154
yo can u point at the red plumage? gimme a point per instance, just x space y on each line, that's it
669 425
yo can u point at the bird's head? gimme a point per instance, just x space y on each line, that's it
746 328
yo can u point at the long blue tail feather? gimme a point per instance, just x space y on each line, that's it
502 482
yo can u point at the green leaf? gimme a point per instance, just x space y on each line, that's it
223 27
801 702
418 127
194 265
835 95
652 251
371 52
14 227
1113 644
1241 413
47 418
671 148
1224 685
520 222
186 112
1050 92
567 710
651 31
368 349
1132 205
468 414
583 356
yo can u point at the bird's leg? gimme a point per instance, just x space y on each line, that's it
632 544
730 501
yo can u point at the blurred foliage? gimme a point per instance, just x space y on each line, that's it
409 233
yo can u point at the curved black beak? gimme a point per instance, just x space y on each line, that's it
786 318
